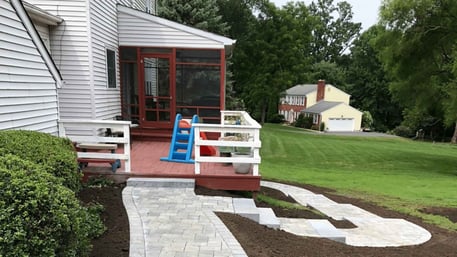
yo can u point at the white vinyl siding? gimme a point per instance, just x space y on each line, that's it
70 51
144 30
28 95
43 31
103 24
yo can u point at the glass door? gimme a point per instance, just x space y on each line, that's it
157 91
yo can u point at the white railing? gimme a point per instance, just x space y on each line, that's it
94 126
241 127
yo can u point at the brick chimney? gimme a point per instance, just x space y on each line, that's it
320 90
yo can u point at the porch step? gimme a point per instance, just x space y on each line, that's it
162 182
247 208
326 229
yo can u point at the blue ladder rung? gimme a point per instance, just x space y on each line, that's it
180 136
179 145
179 155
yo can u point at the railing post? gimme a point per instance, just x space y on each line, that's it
126 133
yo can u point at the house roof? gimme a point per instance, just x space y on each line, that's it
301 89
323 106
225 41
305 89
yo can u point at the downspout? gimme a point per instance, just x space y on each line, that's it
26 21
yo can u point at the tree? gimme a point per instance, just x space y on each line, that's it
201 14
418 49
271 57
332 36
368 83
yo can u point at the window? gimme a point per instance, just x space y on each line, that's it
315 118
111 68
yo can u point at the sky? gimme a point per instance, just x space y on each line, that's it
365 11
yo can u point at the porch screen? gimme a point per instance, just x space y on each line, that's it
198 80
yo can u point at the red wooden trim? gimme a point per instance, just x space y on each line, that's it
241 182
222 81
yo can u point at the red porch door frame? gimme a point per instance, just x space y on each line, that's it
157 91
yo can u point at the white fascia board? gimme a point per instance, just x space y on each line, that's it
40 15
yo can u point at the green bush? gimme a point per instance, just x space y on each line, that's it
403 131
56 154
322 126
276 118
39 216
304 122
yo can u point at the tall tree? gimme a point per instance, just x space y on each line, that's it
272 56
201 14
332 35
368 82
418 49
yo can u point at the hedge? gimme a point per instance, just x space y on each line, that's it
39 216
56 154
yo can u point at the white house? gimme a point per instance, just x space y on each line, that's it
116 59
29 79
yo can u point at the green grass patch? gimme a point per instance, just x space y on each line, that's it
398 173
281 204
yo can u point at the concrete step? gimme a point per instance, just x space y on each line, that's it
326 229
268 218
246 208
161 182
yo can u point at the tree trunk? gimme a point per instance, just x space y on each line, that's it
454 137
263 113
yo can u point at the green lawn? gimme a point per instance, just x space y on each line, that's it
398 173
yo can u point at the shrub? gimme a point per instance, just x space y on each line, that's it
39 216
276 118
304 122
56 154
403 131
322 126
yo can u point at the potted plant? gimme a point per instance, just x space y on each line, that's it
242 168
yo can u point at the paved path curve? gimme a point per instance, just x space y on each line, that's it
372 230
167 219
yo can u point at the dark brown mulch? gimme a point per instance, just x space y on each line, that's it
115 241
450 213
259 241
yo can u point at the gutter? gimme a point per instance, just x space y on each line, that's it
26 21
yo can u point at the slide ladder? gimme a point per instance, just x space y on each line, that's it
182 141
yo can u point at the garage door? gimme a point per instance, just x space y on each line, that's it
340 124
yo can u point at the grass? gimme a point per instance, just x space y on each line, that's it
397 173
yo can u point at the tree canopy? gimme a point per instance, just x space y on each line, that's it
418 50
201 14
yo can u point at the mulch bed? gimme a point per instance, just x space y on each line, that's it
260 241
116 239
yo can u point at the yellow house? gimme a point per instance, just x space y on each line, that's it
325 103
336 116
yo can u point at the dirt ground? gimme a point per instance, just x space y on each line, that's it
260 241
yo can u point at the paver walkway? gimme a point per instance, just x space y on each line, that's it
167 219
372 230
